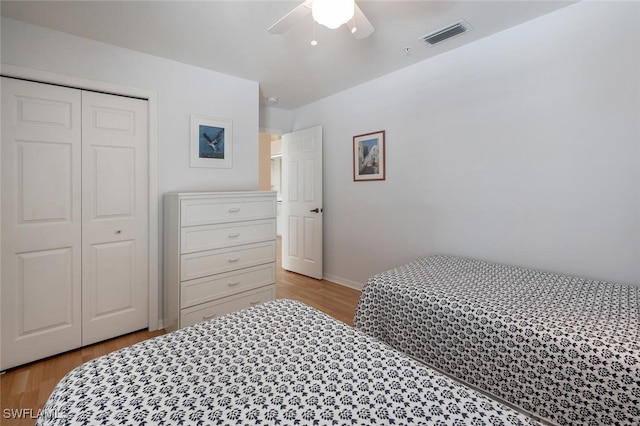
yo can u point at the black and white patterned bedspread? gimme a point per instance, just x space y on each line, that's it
280 363
563 348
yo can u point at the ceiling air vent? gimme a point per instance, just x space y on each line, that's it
446 33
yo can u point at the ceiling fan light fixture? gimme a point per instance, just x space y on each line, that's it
332 13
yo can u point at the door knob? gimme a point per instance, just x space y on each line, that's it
316 210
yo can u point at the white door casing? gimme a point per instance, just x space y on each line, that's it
41 221
75 255
302 202
114 216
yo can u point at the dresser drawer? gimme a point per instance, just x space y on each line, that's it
209 237
202 264
202 290
226 305
206 211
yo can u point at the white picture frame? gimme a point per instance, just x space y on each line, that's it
211 142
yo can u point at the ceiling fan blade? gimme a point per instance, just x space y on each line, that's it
362 24
288 20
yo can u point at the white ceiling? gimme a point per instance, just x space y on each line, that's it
231 36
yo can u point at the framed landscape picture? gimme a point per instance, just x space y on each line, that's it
369 156
211 142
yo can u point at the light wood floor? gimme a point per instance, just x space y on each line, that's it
334 299
27 388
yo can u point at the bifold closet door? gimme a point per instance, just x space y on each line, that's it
41 221
74 193
114 216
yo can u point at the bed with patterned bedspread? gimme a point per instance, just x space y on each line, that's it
280 363
562 348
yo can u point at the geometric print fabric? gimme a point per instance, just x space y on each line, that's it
279 363
562 348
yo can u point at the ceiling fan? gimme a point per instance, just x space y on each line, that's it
330 13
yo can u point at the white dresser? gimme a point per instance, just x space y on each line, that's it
219 254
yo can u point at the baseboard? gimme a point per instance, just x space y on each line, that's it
342 281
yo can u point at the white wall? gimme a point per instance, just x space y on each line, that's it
274 121
181 90
521 148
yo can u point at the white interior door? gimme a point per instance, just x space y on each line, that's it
115 216
41 221
302 202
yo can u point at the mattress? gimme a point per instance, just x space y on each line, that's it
563 348
278 363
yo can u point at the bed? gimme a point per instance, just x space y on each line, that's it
279 363
562 348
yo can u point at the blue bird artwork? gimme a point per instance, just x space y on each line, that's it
211 142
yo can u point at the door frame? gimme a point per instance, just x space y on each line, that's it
151 96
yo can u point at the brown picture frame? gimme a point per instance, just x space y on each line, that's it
369 156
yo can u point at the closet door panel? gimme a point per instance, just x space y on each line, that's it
114 192
44 182
115 216
44 190
114 278
41 221
46 278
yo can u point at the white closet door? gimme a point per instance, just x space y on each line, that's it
115 216
41 221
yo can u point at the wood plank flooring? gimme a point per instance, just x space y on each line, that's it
334 299
24 390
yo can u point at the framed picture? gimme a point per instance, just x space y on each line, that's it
369 156
211 142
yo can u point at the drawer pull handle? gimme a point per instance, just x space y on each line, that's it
233 259
234 209
208 317
232 283
234 235
255 302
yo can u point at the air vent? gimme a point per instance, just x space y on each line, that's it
446 33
